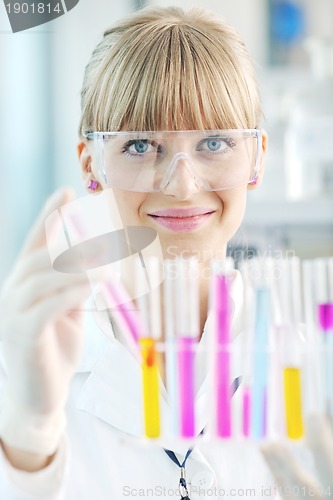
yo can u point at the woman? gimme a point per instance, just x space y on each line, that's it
158 70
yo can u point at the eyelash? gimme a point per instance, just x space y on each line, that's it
130 143
228 140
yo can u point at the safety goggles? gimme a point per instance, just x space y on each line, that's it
148 161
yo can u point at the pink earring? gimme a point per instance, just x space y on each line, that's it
93 185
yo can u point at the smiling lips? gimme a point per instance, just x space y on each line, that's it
182 219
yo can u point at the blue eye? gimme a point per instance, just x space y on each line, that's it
215 144
141 146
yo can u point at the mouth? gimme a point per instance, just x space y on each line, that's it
181 219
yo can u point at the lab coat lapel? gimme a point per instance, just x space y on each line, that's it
112 391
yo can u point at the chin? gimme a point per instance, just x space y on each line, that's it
204 253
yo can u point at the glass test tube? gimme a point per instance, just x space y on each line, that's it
222 345
314 400
248 318
289 288
323 292
149 309
187 333
262 294
172 379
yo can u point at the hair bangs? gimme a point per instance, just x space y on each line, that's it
185 72
175 86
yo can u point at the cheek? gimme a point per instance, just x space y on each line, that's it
233 199
234 205
129 204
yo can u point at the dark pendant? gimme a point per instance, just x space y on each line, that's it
183 489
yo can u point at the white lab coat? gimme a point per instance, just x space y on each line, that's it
103 456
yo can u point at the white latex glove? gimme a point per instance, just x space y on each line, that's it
42 334
293 480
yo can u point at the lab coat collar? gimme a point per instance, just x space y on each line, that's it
113 392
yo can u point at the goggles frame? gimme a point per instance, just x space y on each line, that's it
98 136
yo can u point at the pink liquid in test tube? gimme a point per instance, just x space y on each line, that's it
325 316
223 390
186 349
187 331
126 308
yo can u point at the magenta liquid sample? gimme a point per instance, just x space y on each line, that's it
325 316
186 352
223 387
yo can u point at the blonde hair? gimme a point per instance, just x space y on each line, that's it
166 69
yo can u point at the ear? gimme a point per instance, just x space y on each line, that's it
85 158
87 167
262 162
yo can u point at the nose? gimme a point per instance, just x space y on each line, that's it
180 180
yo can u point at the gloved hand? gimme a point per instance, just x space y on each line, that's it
293 480
41 337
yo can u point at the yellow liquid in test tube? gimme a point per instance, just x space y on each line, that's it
293 402
151 406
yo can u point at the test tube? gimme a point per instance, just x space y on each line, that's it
313 373
120 305
322 274
330 279
290 296
187 334
262 294
170 344
329 335
248 318
222 341
117 297
149 309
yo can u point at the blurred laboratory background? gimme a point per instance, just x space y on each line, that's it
291 42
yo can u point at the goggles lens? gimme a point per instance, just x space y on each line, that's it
146 161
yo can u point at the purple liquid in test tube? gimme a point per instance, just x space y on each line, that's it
325 316
186 350
325 319
187 332
223 390
323 286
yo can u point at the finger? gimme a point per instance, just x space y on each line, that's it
68 300
320 440
37 287
36 237
69 343
293 481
